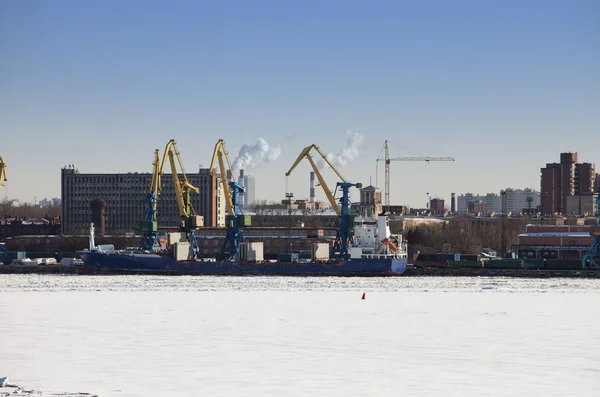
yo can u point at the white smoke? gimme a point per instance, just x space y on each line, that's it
252 156
354 142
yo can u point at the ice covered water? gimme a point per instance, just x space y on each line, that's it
277 336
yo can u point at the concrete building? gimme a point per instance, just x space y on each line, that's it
466 201
123 194
519 200
515 200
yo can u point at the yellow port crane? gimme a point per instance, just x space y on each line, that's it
2 171
234 220
221 155
344 237
183 189
305 154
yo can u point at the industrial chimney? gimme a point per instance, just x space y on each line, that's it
312 187
241 197
453 203
99 216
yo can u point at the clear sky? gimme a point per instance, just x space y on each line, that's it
501 86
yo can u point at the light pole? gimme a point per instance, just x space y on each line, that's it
288 197
503 196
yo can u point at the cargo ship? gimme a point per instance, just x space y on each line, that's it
374 251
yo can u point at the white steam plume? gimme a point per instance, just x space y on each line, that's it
252 156
354 142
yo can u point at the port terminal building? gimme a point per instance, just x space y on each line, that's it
116 200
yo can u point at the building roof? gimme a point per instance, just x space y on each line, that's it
370 188
556 234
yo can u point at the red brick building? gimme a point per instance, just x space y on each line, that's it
564 179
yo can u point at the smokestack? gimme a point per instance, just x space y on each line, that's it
312 187
99 216
241 197
453 203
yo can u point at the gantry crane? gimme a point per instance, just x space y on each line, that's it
344 236
149 226
591 257
2 171
234 219
388 160
183 190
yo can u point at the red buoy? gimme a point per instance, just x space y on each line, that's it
364 295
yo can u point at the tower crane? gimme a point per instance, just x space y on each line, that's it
344 236
388 160
590 259
2 171
183 189
234 219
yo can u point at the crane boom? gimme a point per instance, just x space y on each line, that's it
305 153
219 153
183 189
2 171
344 236
388 160
234 220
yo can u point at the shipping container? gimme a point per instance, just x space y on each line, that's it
534 263
288 257
182 251
320 251
176 237
503 264
563 264
470 257
197 221
451 257
467 264
252 251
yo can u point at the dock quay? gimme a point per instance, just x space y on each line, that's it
410 272
486 272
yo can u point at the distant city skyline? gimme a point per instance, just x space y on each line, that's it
501 87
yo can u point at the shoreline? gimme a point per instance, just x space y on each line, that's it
410 272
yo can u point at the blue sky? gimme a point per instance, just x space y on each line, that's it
502 86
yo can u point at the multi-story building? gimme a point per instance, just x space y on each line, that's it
582 204
465 202
124 193
519 200
515 201
562 180
436 205
250 190
370 201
